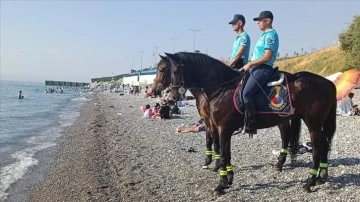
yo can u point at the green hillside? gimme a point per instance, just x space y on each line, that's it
324 62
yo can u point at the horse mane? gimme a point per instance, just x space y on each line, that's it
208 69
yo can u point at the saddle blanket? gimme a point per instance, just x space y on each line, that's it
269 100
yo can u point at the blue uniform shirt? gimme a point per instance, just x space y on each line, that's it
242 40
268 40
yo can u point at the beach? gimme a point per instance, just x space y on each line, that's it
111 153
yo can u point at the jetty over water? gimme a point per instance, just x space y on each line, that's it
66 83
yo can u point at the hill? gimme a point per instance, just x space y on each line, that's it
324 62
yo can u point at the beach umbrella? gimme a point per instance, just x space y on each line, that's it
346 82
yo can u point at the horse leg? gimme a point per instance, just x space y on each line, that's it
323 170
295 136
209 152
327 135
217 152
229 168
315 135
223 182
285 139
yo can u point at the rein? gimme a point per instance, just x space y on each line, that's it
219 85
214 86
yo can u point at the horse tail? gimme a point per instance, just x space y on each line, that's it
329 127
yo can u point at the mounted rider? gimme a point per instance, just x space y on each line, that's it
260 67
241 47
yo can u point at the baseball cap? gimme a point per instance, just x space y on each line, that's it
264 14
237 17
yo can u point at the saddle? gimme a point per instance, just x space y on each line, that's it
274 98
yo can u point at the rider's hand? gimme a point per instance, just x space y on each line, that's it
246 67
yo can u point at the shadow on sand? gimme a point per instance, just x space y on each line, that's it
338 181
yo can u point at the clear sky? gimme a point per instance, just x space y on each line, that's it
80 40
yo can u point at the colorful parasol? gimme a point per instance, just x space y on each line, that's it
346 82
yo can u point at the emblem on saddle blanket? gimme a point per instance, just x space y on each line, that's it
277 102
271 99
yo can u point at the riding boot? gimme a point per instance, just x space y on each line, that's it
250 120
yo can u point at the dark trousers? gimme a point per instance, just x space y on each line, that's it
259 76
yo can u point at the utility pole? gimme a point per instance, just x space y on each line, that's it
194 30
141 53
133 63
174 39
156 48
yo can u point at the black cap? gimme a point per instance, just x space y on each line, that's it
237 17
264 14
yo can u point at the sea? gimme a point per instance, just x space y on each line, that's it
30 128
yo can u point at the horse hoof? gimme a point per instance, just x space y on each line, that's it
307 188
216 169
208 161
320 181
218 191
230 177
278 167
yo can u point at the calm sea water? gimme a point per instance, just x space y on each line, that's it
31 125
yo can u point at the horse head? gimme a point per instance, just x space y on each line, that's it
176 76
197 70
162 79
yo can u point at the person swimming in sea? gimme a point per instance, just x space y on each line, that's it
20 95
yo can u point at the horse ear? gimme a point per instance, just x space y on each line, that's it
162 57
174 57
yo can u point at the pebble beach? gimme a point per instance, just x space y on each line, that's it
111 153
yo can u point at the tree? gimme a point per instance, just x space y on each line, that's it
350 43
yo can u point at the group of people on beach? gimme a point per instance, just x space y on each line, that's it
163 111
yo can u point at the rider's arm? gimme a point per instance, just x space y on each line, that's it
271 46
262 60
238 56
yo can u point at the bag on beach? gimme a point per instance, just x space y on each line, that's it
164 112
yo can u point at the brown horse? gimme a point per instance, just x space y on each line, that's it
163 80
313 98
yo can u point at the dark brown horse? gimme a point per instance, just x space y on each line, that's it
163 80
313 98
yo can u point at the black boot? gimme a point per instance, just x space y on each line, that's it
250 118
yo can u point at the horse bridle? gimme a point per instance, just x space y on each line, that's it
161 81
181 86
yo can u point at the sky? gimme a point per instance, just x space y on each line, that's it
76 40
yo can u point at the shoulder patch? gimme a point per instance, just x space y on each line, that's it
243 40
270 41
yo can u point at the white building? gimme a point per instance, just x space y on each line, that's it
140 78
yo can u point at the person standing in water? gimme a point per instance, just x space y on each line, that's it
20 95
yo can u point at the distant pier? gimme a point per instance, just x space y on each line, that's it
66 83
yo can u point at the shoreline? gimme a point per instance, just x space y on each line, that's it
110 153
